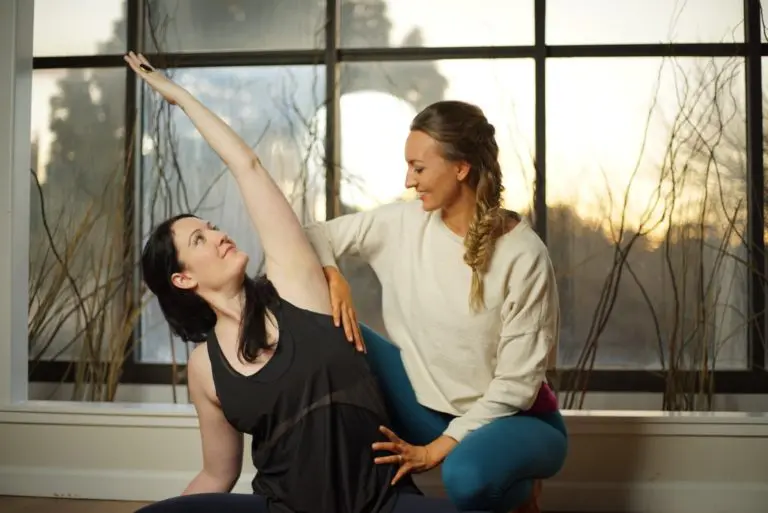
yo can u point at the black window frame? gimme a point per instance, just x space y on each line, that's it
753 380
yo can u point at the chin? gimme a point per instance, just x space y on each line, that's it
428 206
242 259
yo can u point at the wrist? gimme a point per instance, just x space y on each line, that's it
331 272
439 448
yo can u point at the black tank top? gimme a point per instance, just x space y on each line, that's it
313 410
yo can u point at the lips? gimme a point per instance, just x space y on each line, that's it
226 251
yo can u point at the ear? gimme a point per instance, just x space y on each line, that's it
183 281
462 170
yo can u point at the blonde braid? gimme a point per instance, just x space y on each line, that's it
486 227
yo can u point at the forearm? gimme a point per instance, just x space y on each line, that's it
520 371
229 146
365 234
205 482
498 401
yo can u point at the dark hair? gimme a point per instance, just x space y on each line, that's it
190 317
465 135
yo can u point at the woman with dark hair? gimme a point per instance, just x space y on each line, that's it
470 302
271 363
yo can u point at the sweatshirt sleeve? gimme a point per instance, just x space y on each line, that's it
530 328
363 234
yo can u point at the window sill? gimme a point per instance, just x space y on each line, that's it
634 422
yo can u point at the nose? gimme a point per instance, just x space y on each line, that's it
410 178
223 238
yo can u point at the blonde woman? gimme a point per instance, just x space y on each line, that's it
471 305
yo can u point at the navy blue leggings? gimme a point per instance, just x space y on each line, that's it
244 503
493 468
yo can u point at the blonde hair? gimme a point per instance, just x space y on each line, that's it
464 134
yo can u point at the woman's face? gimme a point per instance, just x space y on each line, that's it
210 260
437 181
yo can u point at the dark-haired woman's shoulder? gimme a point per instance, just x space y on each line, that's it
200 375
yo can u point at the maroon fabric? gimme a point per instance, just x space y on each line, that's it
546 402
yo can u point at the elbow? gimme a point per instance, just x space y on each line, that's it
228 482
232 482
246 166
538 396
521 392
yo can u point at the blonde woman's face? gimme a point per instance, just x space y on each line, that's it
436 180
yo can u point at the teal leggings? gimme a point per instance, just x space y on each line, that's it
493 468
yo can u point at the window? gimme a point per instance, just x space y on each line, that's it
419 23
79 27
205 26
764 280
624 136
76 242
583 22
647 215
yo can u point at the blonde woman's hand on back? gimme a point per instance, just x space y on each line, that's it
343 307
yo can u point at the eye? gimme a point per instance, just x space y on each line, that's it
418 169
198 239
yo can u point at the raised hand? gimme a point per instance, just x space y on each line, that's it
157 80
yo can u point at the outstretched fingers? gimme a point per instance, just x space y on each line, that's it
138 62
131 62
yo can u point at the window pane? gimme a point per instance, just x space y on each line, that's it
76 229
673 130
420 23
205 26
373 166
763 34
578 22
79 27
765 188
273 108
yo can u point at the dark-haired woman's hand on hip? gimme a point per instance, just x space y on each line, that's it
343 308
157 80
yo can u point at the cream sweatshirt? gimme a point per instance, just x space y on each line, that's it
476 366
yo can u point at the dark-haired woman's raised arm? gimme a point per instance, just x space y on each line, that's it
291 263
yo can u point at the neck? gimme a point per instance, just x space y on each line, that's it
459 214
227 304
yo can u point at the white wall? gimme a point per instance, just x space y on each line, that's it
628 461
618 461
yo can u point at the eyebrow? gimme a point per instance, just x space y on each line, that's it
198 231
192 236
